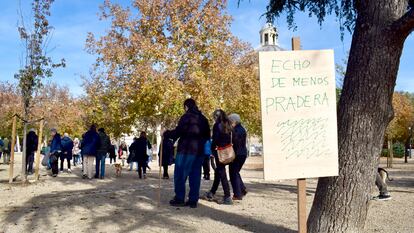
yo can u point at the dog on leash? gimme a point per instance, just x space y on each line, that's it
118 169
384 175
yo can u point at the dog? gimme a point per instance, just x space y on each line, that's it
384 175
118 169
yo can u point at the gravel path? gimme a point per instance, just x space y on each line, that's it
126 204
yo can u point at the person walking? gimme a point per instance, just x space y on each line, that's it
112 153
102 150
222 131
240 149
131 157
6 150
122 152
140 151
167 153
76 152
89 147
31 147
67 147
1 147
55 151
206 162
192 132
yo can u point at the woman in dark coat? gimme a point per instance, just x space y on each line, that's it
221 137
140 153
167 153
240 149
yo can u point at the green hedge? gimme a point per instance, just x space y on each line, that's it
398 148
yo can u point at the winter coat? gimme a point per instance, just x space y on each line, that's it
220 138
90 143
111 151
67 146
105 143
139 150
56 145
31 142
7 145
192 132
239 140
167 152
76 148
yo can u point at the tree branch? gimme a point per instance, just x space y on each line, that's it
404 25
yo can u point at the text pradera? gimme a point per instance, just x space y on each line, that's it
293 103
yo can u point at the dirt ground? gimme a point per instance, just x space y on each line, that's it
126 204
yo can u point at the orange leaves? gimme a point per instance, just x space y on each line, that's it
403 117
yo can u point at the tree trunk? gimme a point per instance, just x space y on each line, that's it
365 109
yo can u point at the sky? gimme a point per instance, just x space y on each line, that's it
73 19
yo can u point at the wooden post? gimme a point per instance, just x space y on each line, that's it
39 147
159 173
302 218
13 143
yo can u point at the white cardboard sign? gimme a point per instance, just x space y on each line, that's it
298 102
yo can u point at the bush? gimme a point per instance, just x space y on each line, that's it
399 150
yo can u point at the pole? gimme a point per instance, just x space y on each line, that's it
159 173
24 154
302 226
39 147
13 142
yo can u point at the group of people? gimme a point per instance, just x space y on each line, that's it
94 146
193 134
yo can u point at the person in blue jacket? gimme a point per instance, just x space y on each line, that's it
89 148
55 151
67 146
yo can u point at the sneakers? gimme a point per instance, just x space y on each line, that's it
382 197
54 175
177 203
84 176
69 171
209 196
244 192
227 201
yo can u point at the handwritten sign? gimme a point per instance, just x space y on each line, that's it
298 101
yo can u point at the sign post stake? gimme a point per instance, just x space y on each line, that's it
13 143
39 147
302 226
159 172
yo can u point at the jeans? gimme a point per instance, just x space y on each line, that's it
100 164
61 163
220 175
131 165
235 178
187 166
206 167
142 167
29 162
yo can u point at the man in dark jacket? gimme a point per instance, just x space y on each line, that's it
31 147
55 151
6 150
67 146
167 153
139 150
192 133
101 153
89 147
